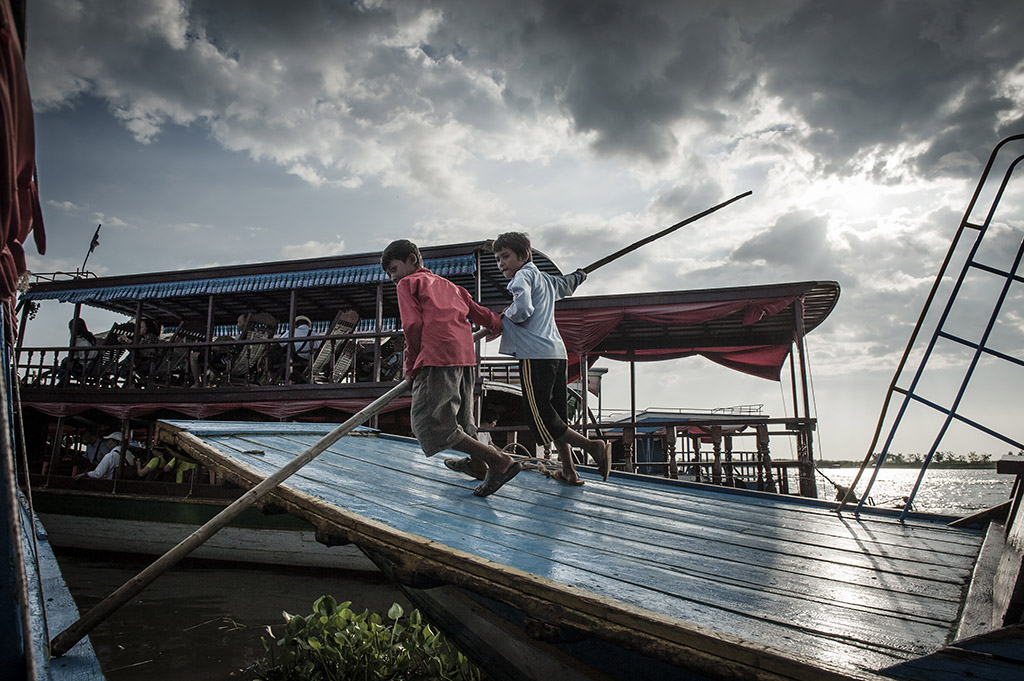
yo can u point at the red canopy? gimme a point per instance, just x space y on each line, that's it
19 199
584 331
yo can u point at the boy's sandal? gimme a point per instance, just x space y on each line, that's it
493 481
462 466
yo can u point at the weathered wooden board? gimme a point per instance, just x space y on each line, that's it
791 576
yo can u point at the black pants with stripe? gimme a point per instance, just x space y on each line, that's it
544 397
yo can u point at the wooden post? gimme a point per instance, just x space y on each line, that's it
698 470
716 466
54 457
730 477
209 337
764 457
805 448
584 379
629 448
133 353
292 310
670 451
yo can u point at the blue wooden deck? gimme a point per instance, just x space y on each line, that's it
782 575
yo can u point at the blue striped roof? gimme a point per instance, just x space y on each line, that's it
336 276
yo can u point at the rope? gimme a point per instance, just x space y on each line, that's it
814 394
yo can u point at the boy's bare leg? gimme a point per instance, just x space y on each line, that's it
570 439
483 456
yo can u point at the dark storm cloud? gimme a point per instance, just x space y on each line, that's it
857 76
796 242
884 73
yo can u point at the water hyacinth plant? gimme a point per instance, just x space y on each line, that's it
336 644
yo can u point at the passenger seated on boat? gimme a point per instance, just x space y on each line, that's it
76 363
144 358
488 419
300 351
182 468
152 469
218 356
246 361
95 447
108 465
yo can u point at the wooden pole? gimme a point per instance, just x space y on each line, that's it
646 240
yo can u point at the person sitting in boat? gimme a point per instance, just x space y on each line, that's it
152 469
440 359
303 329
488 419
74 365
301 351
182 467
108 465
95 447
532 338
220 358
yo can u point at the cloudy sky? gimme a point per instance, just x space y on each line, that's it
209 133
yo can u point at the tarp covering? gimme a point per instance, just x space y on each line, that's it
584 330
19 198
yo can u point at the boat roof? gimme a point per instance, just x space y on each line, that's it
183 294
645 326
660 564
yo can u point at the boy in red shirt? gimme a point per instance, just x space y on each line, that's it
439 359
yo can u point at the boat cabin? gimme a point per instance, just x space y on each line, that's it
318 339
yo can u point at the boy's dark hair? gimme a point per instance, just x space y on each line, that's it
400 250
517 242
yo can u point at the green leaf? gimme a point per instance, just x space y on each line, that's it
395 612
325 605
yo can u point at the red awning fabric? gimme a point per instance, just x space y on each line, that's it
279 410
583 330
19 199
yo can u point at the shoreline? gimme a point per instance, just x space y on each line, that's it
974 465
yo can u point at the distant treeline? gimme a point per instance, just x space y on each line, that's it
940 460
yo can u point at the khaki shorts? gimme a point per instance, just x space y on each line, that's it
442 407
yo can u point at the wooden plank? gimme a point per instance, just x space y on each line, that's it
978 616
432 509
434 558
796 566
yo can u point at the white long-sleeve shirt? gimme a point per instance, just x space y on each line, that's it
108 465
529 330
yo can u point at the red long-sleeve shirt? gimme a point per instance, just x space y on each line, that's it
434 316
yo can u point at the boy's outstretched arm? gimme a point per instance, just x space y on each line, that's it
481 316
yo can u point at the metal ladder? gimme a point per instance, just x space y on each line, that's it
988 183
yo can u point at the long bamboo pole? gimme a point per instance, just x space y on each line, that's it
66 639
665 232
